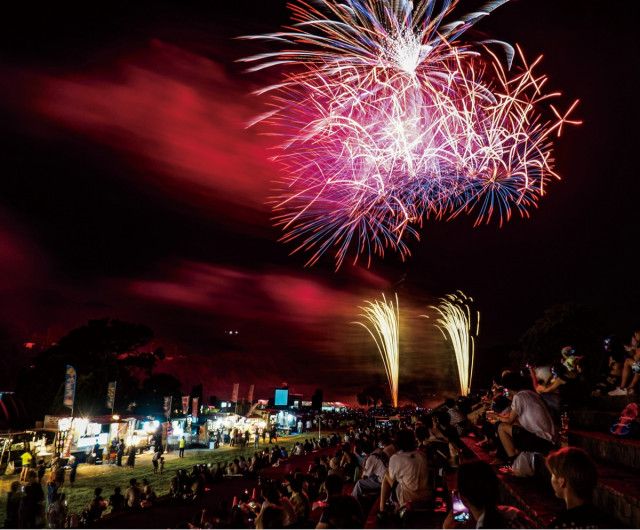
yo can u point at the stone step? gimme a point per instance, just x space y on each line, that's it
596 420
617 495
532 495
610 403
607 448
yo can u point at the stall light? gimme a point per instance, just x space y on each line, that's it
115 417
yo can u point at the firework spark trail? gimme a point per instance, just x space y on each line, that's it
457 324
383 324
386 118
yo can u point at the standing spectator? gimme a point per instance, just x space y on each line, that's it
26 459
31 505
154 462
57 512
478 487
574 478
131 457
117 501
41 470
528 426
181 445
408 469
58 473
13 506
133 495
52 490
120 453
73 463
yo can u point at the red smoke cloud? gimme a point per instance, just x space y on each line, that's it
179 114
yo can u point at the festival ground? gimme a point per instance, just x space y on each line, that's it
109 476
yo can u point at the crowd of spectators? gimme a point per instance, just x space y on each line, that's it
395 467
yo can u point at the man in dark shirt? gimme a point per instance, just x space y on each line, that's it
574 478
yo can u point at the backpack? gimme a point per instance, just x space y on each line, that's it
626 424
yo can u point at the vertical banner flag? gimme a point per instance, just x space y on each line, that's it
69 386
194 406
167 406
111 395
185 405
234 395
250 394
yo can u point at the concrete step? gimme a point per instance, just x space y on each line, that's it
607 448
610 403
532 495
595 420
617 495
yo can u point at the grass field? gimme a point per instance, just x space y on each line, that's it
108 477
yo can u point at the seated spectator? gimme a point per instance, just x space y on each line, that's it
271 517
527 426
478 488
117 501
332 485
96 506
299 500
342 511
133 495
630 376
614 355
148 495
634 343
234 468
273 497
456 418
574 478
375 468
408 470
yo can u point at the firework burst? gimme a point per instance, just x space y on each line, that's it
383 324
460 326
386 118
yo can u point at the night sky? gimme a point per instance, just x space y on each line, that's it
131 189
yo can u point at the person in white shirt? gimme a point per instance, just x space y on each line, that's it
408 469
375 468
527 425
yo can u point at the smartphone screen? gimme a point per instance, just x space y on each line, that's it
460 511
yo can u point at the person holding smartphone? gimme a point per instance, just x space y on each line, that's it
475 503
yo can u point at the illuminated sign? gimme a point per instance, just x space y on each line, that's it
281 397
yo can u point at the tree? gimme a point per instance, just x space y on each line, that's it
371 395
153 391
101 351
414 392
562 325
